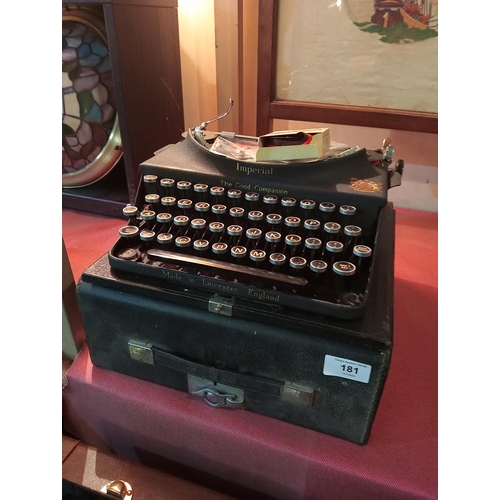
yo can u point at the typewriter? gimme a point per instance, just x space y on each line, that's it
300 235
264 286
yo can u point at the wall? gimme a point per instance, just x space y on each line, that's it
205 69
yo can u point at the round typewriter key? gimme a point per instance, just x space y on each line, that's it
361 258
292 244
270 202
298 265
147 236
346 214
352 235
274 221
185 204
234 231
198 227
326 209
164 221
312 248
219 249
202 206
277 261
184 187
217 231
334 251
235 196
168 201
150 183
272 239
218 193
164 239
332 230
289 205
183 242
344 268
131 213
318 266
149 218
256 217
292 222
201 245
219 211
153 200
201 192
252 199
129 254
307 208
343 273
239 253
167 187
311 227
258 257
181 222
128 231
253 235
236 213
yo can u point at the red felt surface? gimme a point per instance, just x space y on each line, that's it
153 424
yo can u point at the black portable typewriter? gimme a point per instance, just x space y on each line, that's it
260 286
301 235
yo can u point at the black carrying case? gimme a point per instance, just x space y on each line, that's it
325 374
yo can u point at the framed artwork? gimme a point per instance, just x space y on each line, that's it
91 140
370 63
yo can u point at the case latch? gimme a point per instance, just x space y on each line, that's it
221 305
214 394
118 489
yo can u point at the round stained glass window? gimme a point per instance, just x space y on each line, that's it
91 141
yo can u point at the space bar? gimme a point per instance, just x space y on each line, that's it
234 269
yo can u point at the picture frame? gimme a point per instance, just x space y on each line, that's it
271 107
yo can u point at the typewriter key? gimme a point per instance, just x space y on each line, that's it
239 253
185 205
164 221
202 207
167 187
317 270
149 218
311 228
183 243
147 236
273 222
181 223
343 273
307 208
289 205
292 244
312 248
164 239
256 217
169 202
219 212
272 239
277 261
234 232
334 251
361 258
352 235
184 189
332 231
292 221
252 200
216 231
346 215
327 210
153 200
128 232
258 257
219 250
150 184
200 192
253 235
129 254
270 203
217 193
235 196
198 227
131 213
236 214
298 265
201 245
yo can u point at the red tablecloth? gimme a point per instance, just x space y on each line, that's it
161 427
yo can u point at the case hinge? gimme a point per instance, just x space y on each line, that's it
216 395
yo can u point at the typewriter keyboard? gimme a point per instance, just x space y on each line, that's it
301 253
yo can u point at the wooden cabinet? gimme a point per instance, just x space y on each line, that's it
143 42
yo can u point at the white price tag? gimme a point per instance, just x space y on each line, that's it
346 368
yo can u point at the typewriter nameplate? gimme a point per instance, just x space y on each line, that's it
346 368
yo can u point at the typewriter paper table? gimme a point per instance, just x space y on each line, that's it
167 429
